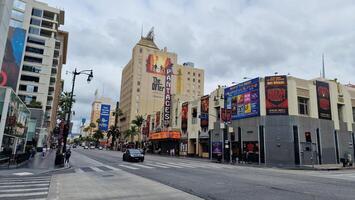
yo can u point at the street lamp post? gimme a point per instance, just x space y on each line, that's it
75 73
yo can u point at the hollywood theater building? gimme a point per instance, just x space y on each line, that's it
285 120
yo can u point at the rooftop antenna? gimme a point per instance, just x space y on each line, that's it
323 68
150 34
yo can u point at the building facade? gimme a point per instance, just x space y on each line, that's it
5 15
144 86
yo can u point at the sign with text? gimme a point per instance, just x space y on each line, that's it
104 117
167 96
243 99
276 95
184 115
323 100
157 84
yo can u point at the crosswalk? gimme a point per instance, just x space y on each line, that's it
27 187
151 165
348 176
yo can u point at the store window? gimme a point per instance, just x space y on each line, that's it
37 12
303 106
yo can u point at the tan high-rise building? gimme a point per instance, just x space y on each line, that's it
96 110
143 81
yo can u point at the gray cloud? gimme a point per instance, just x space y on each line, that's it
229 39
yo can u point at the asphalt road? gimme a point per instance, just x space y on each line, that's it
209 180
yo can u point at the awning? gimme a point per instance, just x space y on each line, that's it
165 135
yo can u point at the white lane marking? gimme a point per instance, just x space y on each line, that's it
155 165
23 173
22 179
25 182
78 170
96 169
183 165
129 167
23 194
113 168
141 165
22 186
169 165
27 189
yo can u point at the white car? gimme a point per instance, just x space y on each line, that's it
86 147
92 147
100 148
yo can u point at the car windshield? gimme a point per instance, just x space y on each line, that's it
134 151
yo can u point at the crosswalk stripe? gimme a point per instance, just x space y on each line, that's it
78 170
26 190
26 178
96 169
23 194
169 165
141 165
183 165
113 168
154 165
129 167
24 182
22 186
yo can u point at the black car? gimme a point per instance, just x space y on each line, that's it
133 155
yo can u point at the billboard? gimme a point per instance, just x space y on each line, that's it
243 99
323 100
276 95
167 95
216 147
11 65
157 64
157 119
204 111
226 115
104 117
184 115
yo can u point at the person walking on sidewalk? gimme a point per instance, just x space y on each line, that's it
44 149
67 156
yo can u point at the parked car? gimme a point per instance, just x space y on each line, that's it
92 147
133 155
100 148
86 147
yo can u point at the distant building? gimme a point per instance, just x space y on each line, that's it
5 15
144 86
98 112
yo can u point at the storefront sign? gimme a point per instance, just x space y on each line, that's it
276 95
204 111
184 116
323 97
167 97
216 147
104 117
165 135
243 99
157 85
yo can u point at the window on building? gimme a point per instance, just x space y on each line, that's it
194 115
16 24
19 5
193 74
28 88
29 68
34 40
138 83
37 12
47 24
35 21
33 59
34 50
57 45
188 73
198 81
33 30
27 98
17 15
46 33
303 106
138 90
188 79
140 50
29 78
354 114
55 62
193 80
56 53
341 112
199 75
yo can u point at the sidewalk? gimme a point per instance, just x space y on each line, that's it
36 165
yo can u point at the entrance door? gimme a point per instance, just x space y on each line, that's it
309 156
296 145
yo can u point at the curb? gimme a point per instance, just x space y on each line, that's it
55 170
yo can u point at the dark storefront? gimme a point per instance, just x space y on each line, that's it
164 142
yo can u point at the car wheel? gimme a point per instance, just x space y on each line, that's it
142 160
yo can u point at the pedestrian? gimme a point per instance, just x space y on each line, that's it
67 156
173 152
44 149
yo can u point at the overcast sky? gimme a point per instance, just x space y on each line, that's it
229 39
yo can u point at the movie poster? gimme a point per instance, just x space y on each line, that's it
276 95
204 111
147 125
184 116
216 147
157 119
323 97
157 64
226 115
11 65
243 99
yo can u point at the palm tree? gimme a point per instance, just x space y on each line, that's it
131 132
98 135
113 132
92 126
138 121
64 104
